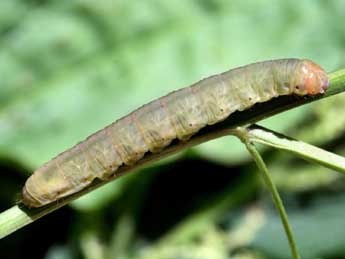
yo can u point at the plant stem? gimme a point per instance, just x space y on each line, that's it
277 200
306 151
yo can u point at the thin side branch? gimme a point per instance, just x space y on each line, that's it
304 150
275 195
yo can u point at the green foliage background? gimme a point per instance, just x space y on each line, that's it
69 68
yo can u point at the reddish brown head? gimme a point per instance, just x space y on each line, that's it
312 79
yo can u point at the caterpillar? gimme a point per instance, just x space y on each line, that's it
178 115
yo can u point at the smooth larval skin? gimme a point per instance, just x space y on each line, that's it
179 114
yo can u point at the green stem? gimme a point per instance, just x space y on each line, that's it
277 200
306 151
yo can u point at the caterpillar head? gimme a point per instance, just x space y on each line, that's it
311 79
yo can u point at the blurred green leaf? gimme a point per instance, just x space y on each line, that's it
319 230
59 252
11 11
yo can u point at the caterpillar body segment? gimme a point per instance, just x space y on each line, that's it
179 114
155 124
102 156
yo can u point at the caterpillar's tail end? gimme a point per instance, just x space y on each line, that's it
315 78
28 200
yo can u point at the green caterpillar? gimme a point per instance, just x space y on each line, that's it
179 114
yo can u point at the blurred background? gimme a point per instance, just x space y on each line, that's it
69 68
